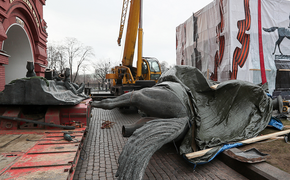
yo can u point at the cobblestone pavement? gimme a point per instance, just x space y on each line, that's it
102 148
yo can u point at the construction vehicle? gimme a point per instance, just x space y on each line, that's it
126 77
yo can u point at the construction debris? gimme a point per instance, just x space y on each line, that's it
107 124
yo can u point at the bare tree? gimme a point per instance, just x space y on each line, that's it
87 52
89 79
71 51
84 68
62 61
56 57
102 67
51 56
77 53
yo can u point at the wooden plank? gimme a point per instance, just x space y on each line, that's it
5 139
5 162
259 69
43 173
264 137
284 69
42 160
244 142
52 148
61 134
214 86
60 140
31 160
21 144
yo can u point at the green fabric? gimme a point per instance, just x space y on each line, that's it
34 77
235 111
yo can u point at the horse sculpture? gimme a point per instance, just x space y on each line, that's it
282 32
187 107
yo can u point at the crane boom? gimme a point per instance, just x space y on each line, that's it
140 42
126 77
131 35
123 18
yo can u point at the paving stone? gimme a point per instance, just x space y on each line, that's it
102 148
88 177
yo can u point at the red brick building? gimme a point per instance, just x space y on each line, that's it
23 38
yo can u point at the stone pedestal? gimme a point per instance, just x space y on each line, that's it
282 87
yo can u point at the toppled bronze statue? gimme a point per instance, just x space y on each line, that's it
35 90
69 85
188 108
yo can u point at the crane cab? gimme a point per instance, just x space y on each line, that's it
124 78
151 69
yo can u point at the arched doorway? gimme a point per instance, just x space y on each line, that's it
18 47
23 38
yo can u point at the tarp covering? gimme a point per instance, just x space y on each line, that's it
234 111
38 91
222 40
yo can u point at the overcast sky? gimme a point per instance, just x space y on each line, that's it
96 23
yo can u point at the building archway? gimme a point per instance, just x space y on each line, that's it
23 38
18 46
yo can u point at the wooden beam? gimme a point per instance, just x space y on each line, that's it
214 86
259 69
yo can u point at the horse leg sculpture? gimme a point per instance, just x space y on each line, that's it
278 42
120 101
157 101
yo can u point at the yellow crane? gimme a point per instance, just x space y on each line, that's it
126 77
